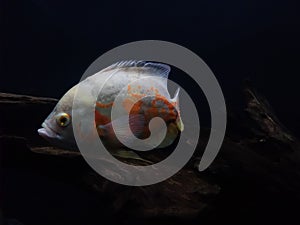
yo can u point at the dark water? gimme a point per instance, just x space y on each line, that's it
47 45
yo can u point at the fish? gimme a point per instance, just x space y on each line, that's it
142 101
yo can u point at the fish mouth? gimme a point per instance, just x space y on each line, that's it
47 132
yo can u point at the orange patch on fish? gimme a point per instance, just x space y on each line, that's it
128 103
103 105
101 119
158 107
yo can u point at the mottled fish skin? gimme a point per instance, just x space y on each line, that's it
154 101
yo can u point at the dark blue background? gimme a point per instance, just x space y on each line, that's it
47 45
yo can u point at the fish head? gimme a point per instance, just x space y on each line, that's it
57 127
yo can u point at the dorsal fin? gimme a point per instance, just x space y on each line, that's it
155 69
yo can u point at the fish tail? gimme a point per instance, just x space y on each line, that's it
179 122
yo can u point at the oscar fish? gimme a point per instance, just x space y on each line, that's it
154 101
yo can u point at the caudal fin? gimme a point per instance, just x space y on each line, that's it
179 122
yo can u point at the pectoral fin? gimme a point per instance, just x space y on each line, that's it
136 128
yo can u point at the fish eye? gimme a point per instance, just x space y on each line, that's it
63 119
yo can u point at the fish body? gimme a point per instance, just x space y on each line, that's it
141 88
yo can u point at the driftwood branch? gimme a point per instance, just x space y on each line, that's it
259 165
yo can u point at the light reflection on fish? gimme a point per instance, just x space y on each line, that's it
156 102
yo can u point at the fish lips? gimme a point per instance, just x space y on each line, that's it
47 133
